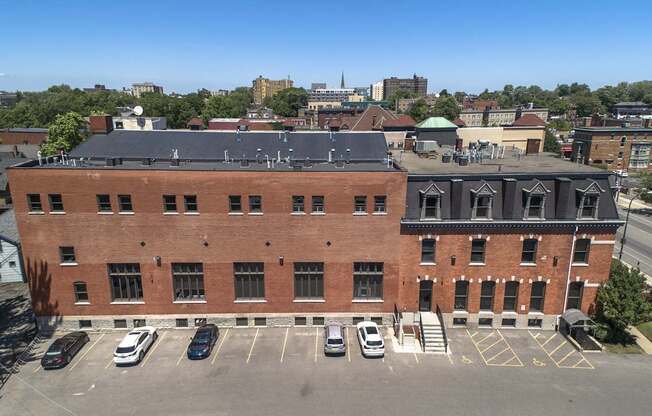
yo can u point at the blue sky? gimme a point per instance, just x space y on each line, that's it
459 45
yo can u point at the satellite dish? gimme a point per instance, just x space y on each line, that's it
138 110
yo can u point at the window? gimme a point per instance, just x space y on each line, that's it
367 281
357 319
534 206
477 250
255 203
188 281
260 321
510 300
119 323
574 300
170 203
318 321
190 203
459 321
309 280
34 203
487 296
428 251
535 323
85 323
81 293
56 202
298 203
510 322
249 280
300 321
12 264
318 203
461 295
67 254
380 203
482 207
126 285
529 254
182 323
485 321
360 204
139 323
241 321
537 296
124 202
103 203
430 207
581 253
588 206
235 203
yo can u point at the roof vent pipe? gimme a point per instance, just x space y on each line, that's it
278 157
226 155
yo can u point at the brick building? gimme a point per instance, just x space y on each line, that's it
416 84
615 148
173 227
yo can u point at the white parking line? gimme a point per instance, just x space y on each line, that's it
285 341
86 352
151 351
219 347
252 345
316 342
348 345
183 352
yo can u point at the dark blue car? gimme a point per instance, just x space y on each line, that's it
203 342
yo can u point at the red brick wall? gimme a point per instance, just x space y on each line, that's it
502 259
101 239
11 137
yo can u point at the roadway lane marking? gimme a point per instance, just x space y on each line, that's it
285 341
252 345
151 350
86 352
219 347
316 342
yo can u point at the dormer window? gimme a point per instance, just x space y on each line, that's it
483 199
535 202
588 201
431 203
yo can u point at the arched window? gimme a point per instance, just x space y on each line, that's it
81 293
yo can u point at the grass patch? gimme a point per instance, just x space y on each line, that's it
646 329
622 348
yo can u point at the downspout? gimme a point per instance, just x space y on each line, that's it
570 264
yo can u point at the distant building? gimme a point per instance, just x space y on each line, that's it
418 85
6 160
330 94
362 91
139 89
11 267
501 117
140 123
470 103
318 86
614 148
632 109
23 135
264 87
377 91
98 87
8 99
219 93
404 104
262 112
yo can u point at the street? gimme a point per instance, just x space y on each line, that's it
638 247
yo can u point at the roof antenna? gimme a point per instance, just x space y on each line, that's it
226 155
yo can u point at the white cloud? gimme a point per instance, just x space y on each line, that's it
2 74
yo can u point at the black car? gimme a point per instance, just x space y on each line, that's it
203 342
64 349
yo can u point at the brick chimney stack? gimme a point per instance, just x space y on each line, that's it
101 124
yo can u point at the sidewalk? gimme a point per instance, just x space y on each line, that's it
624 201
641 340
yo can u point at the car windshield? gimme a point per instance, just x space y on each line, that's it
53 352
123 350
335 341
372 330
374 343
55 348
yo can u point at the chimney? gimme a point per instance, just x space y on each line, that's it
563 199
456 198
102 124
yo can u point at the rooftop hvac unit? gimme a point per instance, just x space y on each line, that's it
426 145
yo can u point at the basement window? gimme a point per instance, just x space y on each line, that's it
318 320
459 321
120 323
241 322
300 321
485 322
85 323
181 323
260 321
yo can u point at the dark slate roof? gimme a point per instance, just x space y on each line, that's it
4 164
8 228
563 193
211 145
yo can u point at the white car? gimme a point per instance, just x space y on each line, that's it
134 345
371 340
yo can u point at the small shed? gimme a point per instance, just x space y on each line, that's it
580 328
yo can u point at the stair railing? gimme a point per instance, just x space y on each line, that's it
443 328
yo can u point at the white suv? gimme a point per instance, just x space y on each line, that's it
134 345
371 340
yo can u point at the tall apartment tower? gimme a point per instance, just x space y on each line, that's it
415 84
376 91
264 87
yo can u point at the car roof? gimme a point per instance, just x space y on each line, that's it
130 339
75 335
334 331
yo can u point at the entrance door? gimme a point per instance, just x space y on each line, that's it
425 295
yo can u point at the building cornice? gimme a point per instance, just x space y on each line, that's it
510 224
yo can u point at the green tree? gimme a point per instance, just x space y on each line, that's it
621 303
393 99
446 107
288 101
419 110
64 134
648 98
550 143
645 187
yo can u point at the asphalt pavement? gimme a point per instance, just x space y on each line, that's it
638 245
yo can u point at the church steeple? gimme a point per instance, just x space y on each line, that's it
342 82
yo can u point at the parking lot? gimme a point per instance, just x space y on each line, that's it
279 367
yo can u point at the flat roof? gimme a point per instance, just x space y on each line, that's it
511 163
